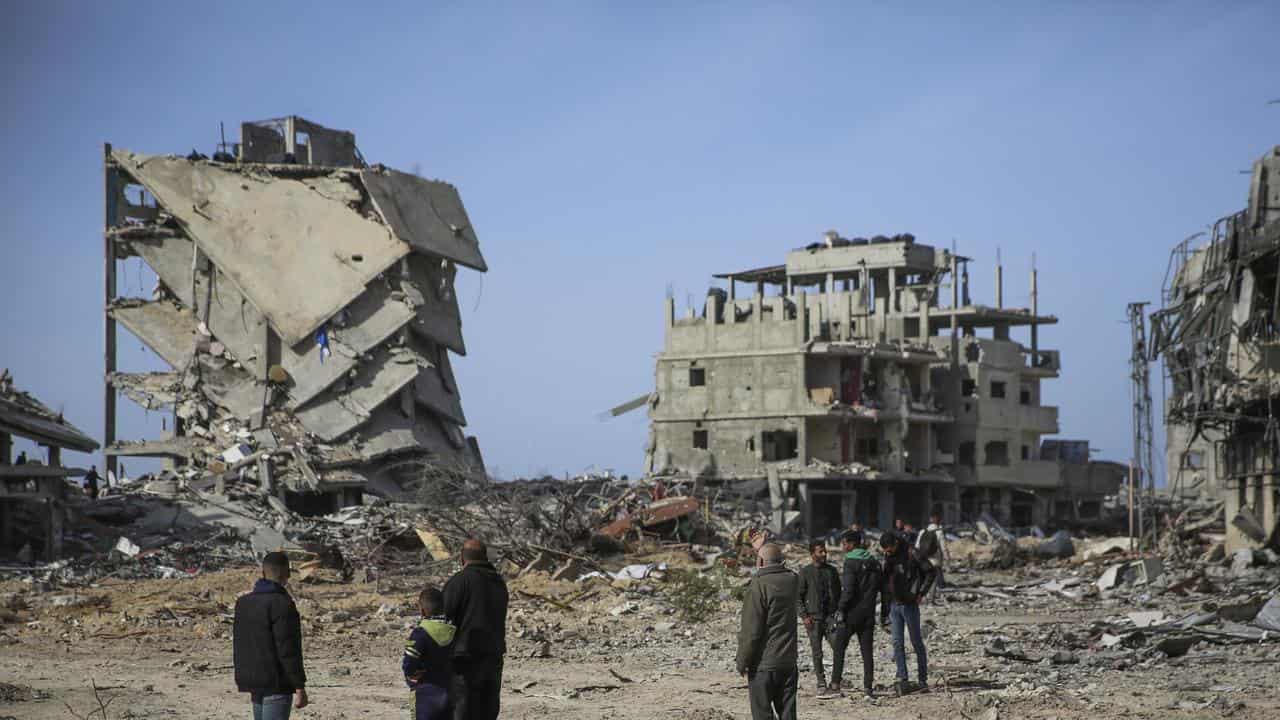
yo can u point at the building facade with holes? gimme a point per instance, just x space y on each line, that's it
844 388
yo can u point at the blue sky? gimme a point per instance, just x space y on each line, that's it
607 152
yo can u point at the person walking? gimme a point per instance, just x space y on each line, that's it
475 602
818 592
856 610
906 580
91 479
767 638
934 549
266 646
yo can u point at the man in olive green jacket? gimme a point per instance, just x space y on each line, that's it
767 640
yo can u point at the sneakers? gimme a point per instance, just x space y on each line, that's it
868 693
822 685
923 687
834 687
900 688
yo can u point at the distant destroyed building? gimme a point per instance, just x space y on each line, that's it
32 487
851 393
1218 333
305 307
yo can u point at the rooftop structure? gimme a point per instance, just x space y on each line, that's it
1217 333
845 384
305 307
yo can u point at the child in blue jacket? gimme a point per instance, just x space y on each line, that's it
428 659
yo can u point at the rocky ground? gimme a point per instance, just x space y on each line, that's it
1002 646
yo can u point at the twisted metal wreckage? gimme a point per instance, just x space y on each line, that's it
1218 333
305 305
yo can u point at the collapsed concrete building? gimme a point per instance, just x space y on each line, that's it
305 307
33 486
850 392
1218 332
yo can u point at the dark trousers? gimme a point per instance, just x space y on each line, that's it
477 687
819 631
773 694
431 703
843 635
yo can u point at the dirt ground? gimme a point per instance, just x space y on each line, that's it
161 649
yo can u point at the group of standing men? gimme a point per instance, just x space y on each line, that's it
836 608
452 661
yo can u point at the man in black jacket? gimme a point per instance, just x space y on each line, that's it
475 601
818 593
767 638
907 579
267 644
856 609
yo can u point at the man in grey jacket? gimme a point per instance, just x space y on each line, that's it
767 639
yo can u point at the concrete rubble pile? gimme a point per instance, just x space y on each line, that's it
305 306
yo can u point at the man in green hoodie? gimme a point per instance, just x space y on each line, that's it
860 586
767 639
428 659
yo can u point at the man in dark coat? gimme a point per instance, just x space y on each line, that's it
767 638
267 644
907 579
818 593
475 602
856 609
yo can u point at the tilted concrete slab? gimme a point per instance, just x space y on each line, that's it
432 289
435 389
427 214
367 322
164 327
343 408
296 254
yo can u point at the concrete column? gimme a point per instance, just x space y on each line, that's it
733 289
891 302
56 520
1035 313
6 448
110 218
845 315
806 508
1267 503
758 311
1006 506
884 516
802 317
671 312
6 524
776 499
1235 538
999 282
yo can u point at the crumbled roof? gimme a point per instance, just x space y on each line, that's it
23 415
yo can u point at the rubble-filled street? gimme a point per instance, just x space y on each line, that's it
1026 627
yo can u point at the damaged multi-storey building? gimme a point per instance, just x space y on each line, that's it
305 307
844 388
1218 333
